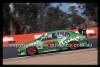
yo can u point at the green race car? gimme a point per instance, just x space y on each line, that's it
53 41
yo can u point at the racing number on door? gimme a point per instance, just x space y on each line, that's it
49 43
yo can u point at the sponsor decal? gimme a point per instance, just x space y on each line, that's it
5 39
76 32
37 36
87 31
40 46
62 41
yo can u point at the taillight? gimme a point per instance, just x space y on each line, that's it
84 32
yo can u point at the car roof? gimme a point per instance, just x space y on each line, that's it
58 31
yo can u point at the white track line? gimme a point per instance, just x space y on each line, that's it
16 58
69 51
79 50
52 53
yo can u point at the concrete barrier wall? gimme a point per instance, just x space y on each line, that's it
24 38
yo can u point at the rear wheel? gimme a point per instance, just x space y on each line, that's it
73 45
31 50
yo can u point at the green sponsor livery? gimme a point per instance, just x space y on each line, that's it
53 41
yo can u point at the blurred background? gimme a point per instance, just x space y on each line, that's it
25 18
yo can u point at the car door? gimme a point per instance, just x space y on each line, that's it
62 37
50 43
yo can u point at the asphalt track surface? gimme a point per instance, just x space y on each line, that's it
11 52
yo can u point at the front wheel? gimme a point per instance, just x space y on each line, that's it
31 50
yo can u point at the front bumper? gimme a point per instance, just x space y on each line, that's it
21 53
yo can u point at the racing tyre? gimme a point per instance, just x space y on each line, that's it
31 50
73 45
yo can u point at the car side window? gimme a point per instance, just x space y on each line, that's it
62 34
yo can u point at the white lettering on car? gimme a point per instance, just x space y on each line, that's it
40 46
62 41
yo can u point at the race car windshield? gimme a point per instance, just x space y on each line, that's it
40 37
